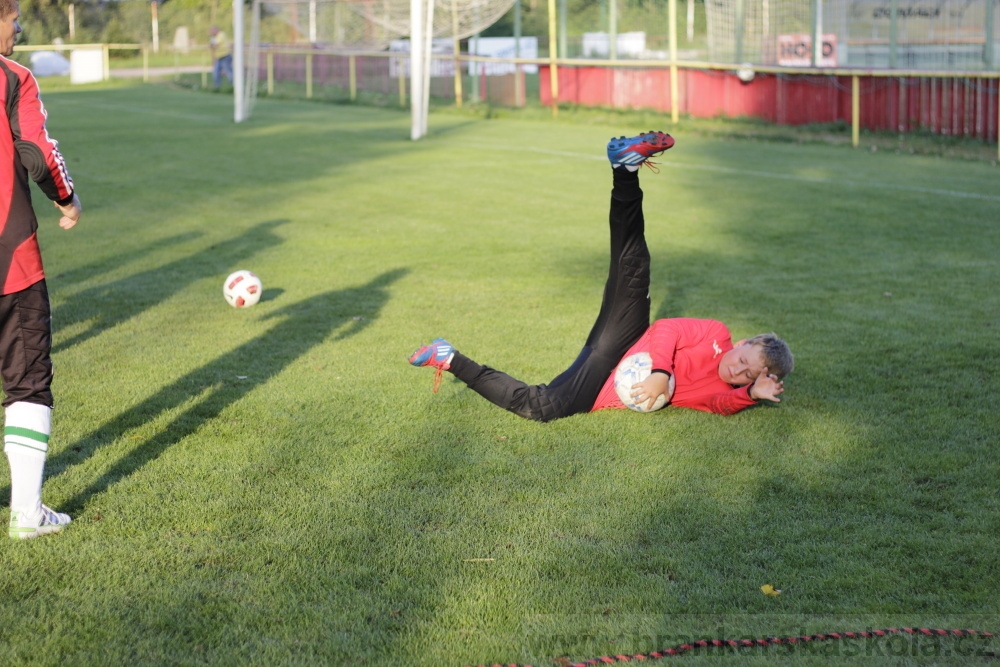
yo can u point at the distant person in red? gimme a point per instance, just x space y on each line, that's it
710 373
26 151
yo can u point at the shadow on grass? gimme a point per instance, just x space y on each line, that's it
108 305
227 379
115 262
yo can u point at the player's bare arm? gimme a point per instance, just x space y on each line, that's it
70 212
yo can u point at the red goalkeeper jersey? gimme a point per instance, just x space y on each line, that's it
689 349
26 150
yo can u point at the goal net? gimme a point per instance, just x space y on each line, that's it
372 24
365 25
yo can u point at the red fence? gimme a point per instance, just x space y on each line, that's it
960 106
956 106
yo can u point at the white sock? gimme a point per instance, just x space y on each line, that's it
26 441
633 167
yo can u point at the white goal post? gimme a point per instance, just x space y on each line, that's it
239 68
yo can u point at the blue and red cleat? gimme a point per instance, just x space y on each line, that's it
636 151
438 355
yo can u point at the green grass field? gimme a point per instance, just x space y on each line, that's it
278 486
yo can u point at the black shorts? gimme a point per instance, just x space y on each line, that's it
25 344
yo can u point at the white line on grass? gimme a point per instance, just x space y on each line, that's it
767 174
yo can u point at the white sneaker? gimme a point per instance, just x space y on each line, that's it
23 527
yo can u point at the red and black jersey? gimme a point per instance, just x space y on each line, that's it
26 150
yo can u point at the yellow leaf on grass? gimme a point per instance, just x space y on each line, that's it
768 589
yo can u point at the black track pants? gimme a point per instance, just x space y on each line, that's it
624 317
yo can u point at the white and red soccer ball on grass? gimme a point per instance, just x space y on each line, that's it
242 289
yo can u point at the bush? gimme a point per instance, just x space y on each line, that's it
115 32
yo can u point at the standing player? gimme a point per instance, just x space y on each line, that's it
222 55
710 373
25 323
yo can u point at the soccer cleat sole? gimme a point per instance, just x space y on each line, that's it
637 150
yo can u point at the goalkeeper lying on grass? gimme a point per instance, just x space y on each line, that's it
708 371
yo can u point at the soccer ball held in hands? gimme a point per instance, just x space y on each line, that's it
633 369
